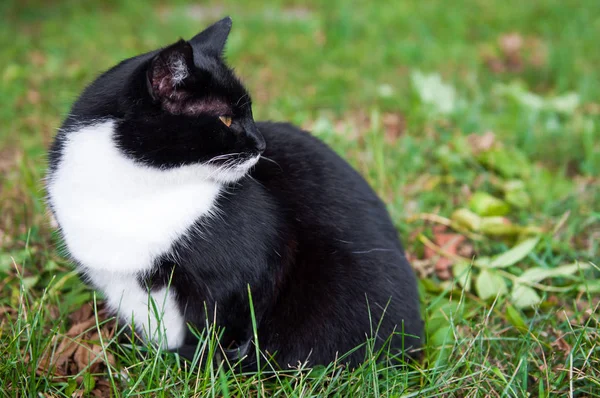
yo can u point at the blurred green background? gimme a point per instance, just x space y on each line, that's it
436 103
303 59
395 87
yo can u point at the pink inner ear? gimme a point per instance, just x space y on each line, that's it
170 87
168 77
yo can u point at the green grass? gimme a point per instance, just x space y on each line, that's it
349 71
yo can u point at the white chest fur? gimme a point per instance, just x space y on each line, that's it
155 315
117 215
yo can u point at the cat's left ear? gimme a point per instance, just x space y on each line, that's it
211 41
170 71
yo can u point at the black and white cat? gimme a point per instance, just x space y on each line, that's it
166 190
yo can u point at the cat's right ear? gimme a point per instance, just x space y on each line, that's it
170 71
211 41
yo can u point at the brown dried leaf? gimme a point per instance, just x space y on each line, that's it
78 394
439 229
33 96
423 268
78 350
78 328
37 58
55 362
466 250
538 54
510 43
561 345
6 311
394 125
84 313
592 108
88 357
9 159
515 52
102 389
481 143
495 64
54 311
449 244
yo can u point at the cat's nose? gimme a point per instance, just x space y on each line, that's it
261 145
255 135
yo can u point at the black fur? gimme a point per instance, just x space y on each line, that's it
303 229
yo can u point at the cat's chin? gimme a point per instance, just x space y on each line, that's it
231 174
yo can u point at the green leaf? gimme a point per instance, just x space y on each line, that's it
447 157
524 296
513 185
537 274
429 286
515 254
317 372
489 284
12 72
509 163
566 104
442 336
590 287
515 318
439 97
7 260
466 219
485 204
443 339
88 382
433 324
51 265
223 382
71 387
515 194
499 373
462 274
498 226
518 199
482 262
30 281
444 309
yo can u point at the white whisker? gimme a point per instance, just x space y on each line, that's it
272 161
372 250
222 157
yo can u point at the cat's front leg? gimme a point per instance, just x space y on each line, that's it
155 313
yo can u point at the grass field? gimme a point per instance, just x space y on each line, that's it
478 122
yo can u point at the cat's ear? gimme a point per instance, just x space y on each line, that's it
170 71
211 41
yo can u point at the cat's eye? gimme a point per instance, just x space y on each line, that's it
226 120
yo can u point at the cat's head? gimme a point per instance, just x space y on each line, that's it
177 106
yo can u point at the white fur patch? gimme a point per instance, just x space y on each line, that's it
156 315
178 69
117 217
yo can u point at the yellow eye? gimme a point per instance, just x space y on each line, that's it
226 120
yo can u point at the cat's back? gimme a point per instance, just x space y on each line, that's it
319 186
349 264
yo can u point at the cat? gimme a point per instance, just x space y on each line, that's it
176 205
